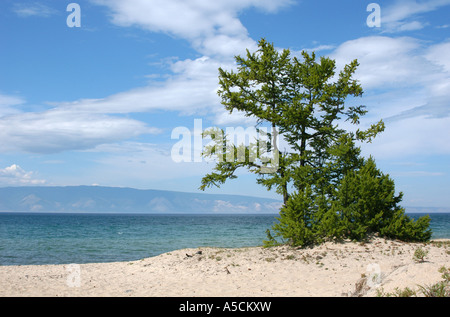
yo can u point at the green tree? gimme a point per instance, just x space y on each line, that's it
329 191
302 104
366 203
297 220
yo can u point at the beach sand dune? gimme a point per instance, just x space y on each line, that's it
331 269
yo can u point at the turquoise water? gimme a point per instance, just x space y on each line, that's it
85 238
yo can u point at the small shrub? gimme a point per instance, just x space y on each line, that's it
406 292
439 289
419 255
361 204
445 274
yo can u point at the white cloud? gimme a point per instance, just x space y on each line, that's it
384 61
419 174
191 88
14 175
212 27
220 205
8 104
411 26
407 84
439 54
398 64
58 130
33 9
224 118
320 48
385 64
204 23
86 123
397 17
414 137
143 164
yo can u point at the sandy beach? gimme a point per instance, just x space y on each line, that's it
331 269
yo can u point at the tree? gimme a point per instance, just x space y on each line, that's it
297 220
329 191
302 104
366 203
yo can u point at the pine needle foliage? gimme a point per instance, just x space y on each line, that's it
329 191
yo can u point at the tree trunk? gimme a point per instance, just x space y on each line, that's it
281 166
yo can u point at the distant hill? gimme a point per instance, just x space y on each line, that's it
427 210
98 199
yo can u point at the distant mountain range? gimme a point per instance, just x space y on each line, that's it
98 199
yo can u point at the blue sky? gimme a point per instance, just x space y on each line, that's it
97 104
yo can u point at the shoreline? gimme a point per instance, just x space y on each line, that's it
328 270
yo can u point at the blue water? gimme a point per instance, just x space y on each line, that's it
85 238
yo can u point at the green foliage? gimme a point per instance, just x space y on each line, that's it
329 190
445 273
364 203
297 220
299 100
406 292
439 289
419 255
368 204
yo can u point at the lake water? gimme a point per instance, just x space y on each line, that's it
27 238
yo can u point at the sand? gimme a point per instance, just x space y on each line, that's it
331 269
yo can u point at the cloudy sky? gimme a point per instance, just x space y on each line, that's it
97 104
